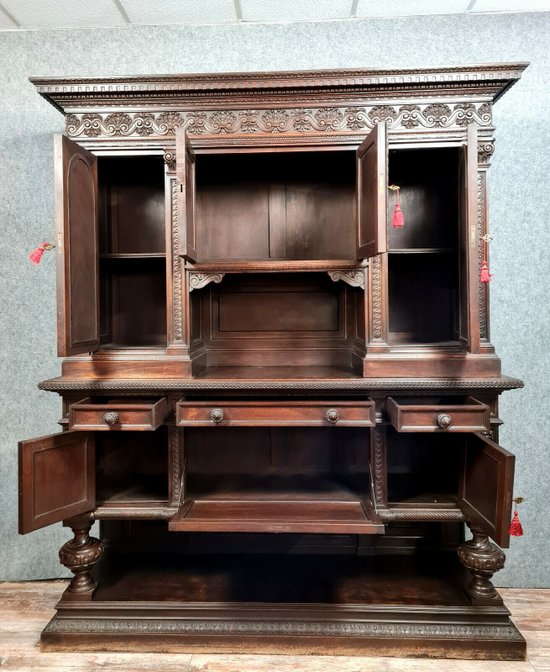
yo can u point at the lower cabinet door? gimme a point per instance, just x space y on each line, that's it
486 486
56 478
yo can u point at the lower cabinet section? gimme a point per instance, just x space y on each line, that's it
313 526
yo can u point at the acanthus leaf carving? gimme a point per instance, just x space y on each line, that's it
277 121
200 280
355 278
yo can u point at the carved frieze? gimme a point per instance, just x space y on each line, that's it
277 120
295 627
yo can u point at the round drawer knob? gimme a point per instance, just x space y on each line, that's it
110 418
444 420
216 415
333 415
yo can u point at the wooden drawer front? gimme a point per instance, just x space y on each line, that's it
254 414
123 415
470 416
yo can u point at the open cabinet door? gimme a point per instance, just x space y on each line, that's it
485 492
185 174
56 479
372 193
469 266
77 248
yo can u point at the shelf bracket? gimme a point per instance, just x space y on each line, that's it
354 278
200 280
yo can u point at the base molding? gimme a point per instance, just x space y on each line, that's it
465 633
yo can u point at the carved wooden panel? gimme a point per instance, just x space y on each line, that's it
56 479
77 248
485 492
372 183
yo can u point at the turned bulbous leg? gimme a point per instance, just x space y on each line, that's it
483 559
80 554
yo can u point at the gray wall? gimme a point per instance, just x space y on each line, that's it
519 217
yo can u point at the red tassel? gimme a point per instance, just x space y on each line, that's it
484 275
398 217
516 528
36 255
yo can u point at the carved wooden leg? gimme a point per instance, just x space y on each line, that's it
80 554
483 559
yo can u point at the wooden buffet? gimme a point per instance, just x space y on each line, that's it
281 409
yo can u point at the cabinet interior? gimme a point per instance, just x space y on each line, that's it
276 479
132 466
423 264
423 468
276 319
284 205
132 251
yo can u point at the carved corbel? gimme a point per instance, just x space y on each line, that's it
355 278
200 280
170 160
485 150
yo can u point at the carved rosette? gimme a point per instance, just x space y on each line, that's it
483 559
80 554
200 280
278 120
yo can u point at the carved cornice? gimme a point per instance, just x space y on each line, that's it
362 384
277 121
487 81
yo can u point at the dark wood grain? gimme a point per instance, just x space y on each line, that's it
76 193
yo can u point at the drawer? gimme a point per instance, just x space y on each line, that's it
118 414
454 414
273 414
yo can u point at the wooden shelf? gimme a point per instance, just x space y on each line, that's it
295 503
265 577
274 265
133 255
422 250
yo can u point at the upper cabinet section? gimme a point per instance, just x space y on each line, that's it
112 250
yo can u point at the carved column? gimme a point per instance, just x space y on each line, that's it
483 559
80 554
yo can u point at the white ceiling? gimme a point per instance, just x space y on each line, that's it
43 14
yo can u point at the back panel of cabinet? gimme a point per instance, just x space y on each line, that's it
276 320
290 205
